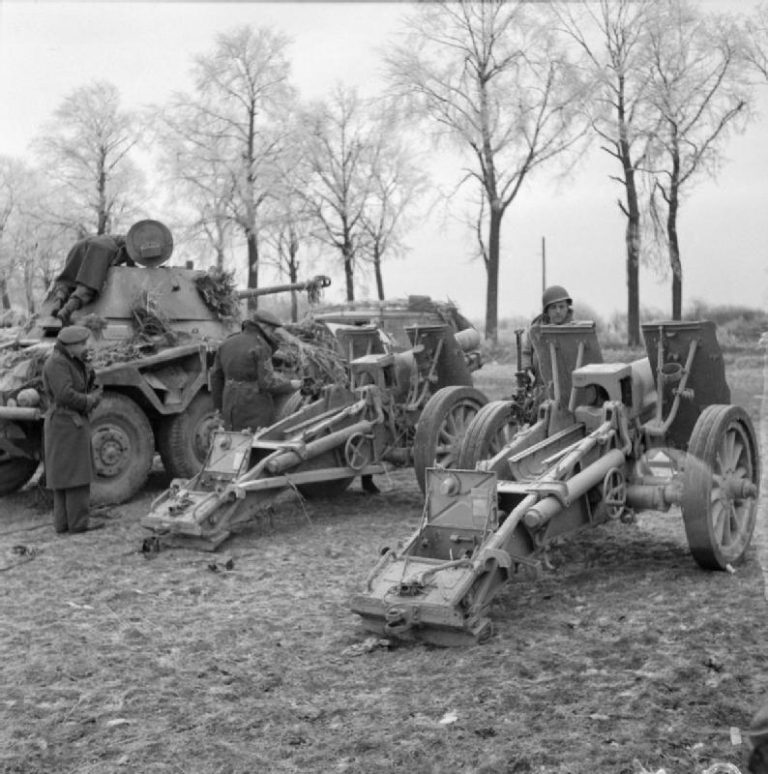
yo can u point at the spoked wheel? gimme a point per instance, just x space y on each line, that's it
722 472
122 447
442 427
488 433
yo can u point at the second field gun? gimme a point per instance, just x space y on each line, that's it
651 434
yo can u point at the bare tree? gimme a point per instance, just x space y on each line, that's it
612 35
701 92
755 31
339 148
397 184
223 141
493 81
86 151
31 248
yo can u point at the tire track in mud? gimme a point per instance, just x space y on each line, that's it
761 526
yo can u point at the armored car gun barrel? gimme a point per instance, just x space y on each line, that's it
404 408
612 438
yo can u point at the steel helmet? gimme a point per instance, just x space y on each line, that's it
553 294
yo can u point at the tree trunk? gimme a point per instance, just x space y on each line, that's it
346 252
492 290
253 267
377 271
674 252
5 299
293 274
632 237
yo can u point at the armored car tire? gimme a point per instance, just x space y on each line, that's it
441 428
15 468
488 433
722 472
15 472
122 445
183 439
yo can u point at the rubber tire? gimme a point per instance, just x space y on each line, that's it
15 472
120 415
712 451
181 438
488 433
438 421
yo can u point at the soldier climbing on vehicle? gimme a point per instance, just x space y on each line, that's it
82 279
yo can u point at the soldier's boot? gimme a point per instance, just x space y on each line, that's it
60 295
66 311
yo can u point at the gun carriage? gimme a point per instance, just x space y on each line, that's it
400 409
612 438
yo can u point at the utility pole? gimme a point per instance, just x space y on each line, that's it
543 264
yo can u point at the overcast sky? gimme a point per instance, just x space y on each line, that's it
48 49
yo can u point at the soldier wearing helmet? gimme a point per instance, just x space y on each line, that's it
556 309
243 381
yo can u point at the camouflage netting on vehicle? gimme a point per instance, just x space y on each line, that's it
217 289
309 350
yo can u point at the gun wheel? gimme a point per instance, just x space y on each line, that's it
442 426
488 433
722 472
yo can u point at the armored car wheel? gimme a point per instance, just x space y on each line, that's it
722 472
183 439
15 470
122 446
442 426
488 433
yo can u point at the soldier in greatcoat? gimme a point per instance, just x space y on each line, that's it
69 385
243 381
85 272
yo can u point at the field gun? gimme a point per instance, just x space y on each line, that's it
400 409
613 437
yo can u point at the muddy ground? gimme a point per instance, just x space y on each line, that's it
625 658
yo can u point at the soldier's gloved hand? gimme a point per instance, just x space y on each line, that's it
297 383
93 399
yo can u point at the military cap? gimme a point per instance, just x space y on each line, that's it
73 334
265 318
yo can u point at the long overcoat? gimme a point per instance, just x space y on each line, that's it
243 380
67 431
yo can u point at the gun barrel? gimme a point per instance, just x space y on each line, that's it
318 282
576 486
